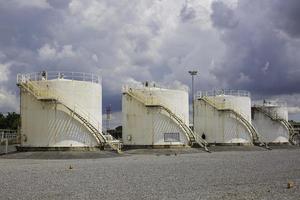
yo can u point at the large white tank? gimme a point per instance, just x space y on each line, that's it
224 116
48 103
146 121
271 120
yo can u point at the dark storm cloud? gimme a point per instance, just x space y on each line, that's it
258 54
187 13
253 46
223 16
286 15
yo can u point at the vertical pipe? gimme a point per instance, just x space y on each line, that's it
6 145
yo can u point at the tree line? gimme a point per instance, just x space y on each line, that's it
10 120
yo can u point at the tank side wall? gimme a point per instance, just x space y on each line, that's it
148 125
240 104
50 124
136 122
271 131
219 126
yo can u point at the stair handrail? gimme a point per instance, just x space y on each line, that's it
221 106
41 92
281 120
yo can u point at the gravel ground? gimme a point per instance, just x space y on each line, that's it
152 174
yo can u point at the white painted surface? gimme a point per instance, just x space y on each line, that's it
223 126
146 125
49 124
271 131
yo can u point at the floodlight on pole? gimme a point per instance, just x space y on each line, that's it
193 73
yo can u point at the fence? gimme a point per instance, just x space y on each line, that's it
8 137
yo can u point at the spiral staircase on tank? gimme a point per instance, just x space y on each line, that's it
194 139
284 122
240 116
104 140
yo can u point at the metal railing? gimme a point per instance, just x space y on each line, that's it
217 92
275 117
151 86
242 116
223 105
8 134
7 137
57 95
52 75
274 103
272 113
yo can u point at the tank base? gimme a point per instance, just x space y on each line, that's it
127 147
230 144
279 143
25 149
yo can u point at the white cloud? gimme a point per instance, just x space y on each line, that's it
47 52
4 72
116 120
66 52
149 40
293 110
42 4
8 101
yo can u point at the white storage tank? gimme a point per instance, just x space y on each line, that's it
60 109
271 120
224 117
152 115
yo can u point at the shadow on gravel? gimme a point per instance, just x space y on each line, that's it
58 155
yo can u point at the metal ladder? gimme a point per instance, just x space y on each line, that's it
51 95
284 122
193 138
253 132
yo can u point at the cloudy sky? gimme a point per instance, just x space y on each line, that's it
241 44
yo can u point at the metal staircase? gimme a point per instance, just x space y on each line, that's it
193 138
284 122
47 94
222 107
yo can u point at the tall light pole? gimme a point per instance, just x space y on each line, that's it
193 73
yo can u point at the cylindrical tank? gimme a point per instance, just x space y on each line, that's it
149 115
271 120
223 116
276 109
49 101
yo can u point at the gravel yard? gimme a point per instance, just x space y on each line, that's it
152 174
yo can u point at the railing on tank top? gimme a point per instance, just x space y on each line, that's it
240 93
53 75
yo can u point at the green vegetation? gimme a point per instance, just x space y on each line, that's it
10 120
